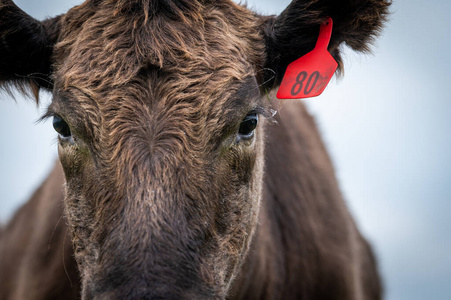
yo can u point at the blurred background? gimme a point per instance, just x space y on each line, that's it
387 125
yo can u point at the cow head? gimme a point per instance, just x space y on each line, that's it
160 110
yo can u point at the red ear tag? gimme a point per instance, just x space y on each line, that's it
309 75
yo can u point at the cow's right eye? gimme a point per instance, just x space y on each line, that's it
61 126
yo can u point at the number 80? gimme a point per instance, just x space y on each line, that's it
300 78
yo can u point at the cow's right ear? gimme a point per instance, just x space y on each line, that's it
295 31
26 47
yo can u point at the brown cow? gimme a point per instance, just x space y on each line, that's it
168 192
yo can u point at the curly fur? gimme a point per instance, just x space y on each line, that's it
161 199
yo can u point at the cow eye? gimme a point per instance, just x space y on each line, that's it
248 126
61 126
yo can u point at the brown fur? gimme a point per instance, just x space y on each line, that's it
162 197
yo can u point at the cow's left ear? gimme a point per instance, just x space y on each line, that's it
26 47
295 31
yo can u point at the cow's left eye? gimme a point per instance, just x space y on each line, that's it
248 126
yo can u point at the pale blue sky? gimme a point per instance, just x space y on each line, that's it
387 126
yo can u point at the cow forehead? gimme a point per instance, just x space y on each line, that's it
108 51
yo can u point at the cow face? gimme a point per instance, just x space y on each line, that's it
160 124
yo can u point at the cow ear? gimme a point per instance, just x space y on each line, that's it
26 47
295 31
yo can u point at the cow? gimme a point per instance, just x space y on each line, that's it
176 179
